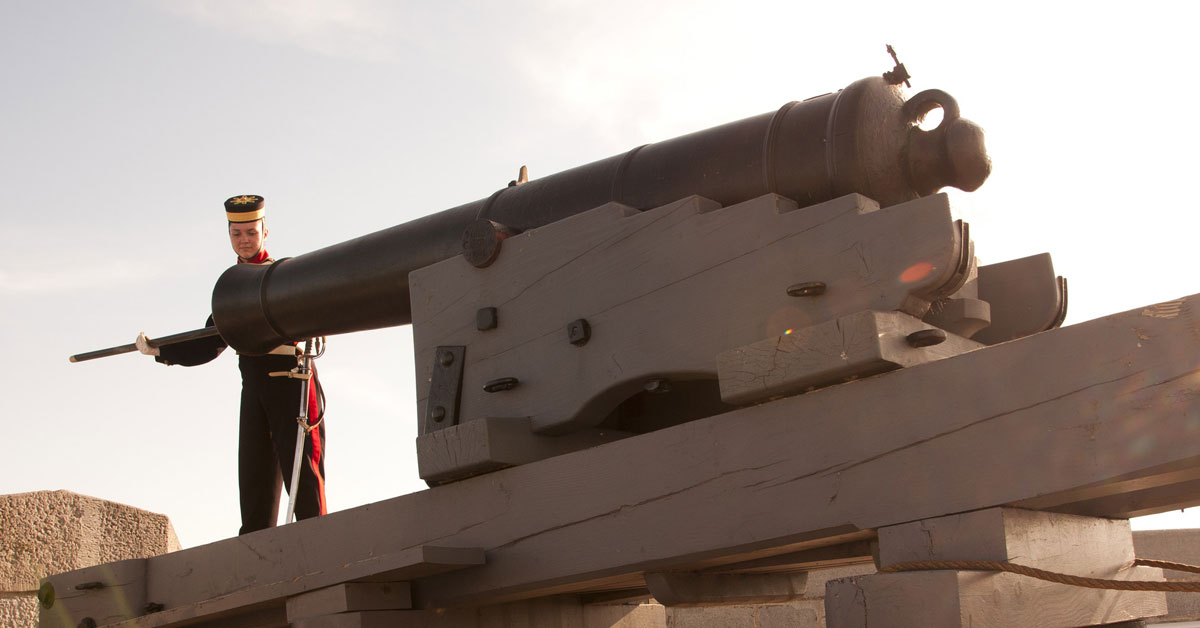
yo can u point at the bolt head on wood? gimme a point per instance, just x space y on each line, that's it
807 289
579 332
486 318
658 386
501 385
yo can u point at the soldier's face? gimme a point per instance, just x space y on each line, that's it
247 238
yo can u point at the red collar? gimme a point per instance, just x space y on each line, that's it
257 259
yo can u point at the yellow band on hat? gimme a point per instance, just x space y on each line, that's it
246 216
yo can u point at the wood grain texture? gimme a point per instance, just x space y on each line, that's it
849 347
697 589
975 599
665 291
489 444
1025 296
263 592
107 593
353 596
1058 417
1091 547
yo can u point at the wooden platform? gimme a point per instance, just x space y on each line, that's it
1101 418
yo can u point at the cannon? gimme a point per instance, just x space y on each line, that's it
861 139
663 284
762 258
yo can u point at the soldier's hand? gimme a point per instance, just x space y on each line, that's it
144 346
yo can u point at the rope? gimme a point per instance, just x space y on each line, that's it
1050 576
1166 564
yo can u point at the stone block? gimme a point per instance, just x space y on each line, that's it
647 615
803 614
736 616
50 532
797 614
18 612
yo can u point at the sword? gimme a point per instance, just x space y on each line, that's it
304 374
155 342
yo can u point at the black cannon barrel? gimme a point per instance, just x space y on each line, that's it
862 139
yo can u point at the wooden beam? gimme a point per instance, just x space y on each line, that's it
1052 417
705 589
851 553
350 597
259 590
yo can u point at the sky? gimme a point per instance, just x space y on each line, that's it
127 123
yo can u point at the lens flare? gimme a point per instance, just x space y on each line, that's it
916 272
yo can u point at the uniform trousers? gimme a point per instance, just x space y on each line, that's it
267 443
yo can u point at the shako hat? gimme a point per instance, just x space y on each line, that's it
245 208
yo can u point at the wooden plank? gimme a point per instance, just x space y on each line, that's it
557 612
1079 546
846 348
1115 400
974 599
852 553
490 444
107 593
1025 295
706 589
1091 547
1180 546
262 588
354 596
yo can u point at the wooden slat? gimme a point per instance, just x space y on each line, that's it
705 589
350 597
972 599
262 590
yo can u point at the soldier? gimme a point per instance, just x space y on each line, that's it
270 401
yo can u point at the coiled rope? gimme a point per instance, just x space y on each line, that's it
1050 576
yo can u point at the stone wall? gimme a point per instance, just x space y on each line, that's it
50 532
